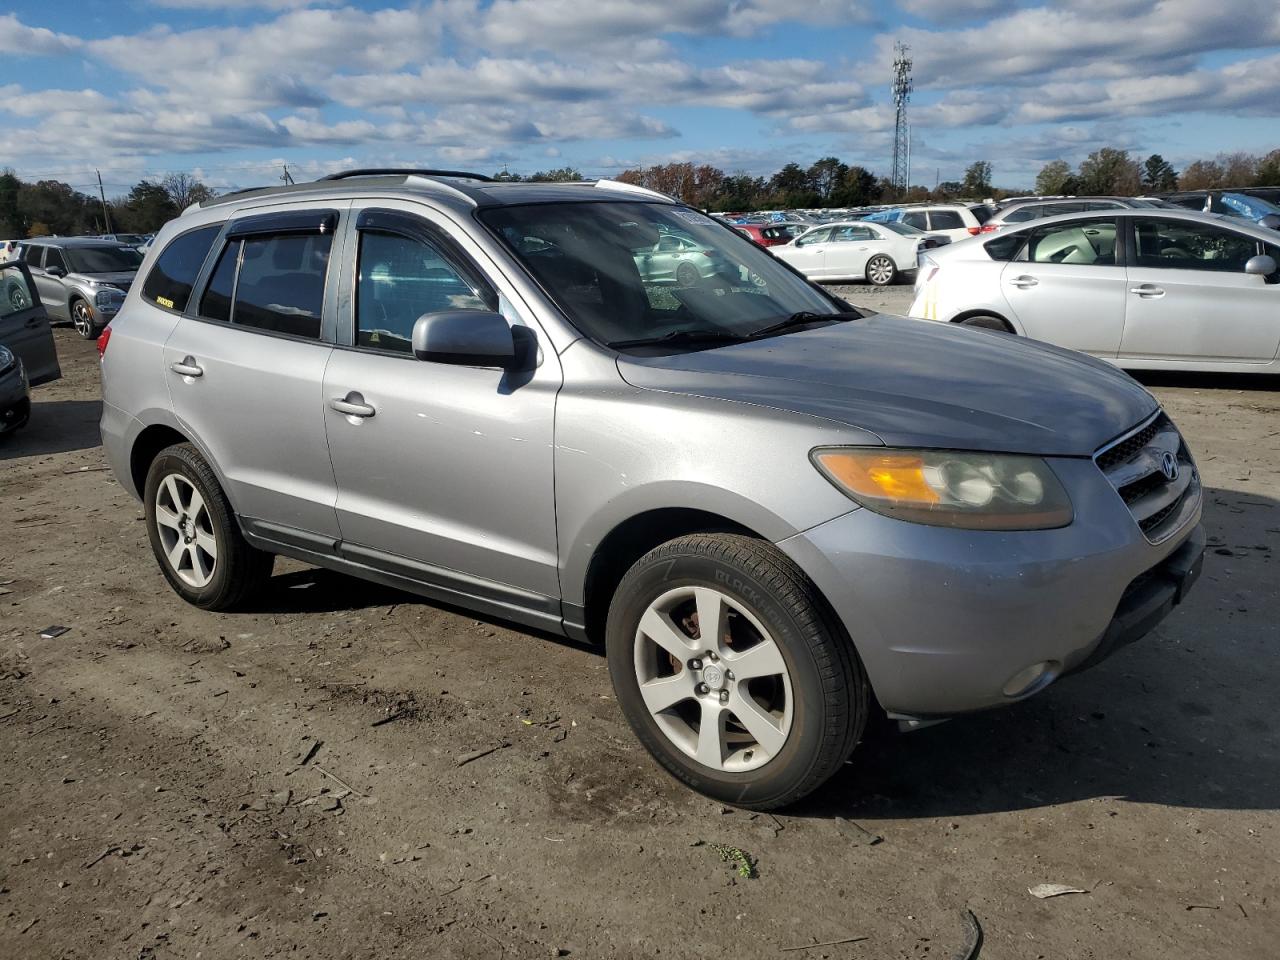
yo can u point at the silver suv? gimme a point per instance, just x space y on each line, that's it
81 279
780 514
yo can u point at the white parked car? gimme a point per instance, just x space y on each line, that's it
877 252
958 221
1142 288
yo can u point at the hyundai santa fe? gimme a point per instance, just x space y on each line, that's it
780 514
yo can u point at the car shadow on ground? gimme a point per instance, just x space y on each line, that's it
56 426
1195 380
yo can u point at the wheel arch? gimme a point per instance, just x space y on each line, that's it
980 312
146 447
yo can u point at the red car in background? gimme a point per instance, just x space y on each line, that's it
770 234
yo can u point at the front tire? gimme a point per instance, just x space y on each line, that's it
82 318
986 322
687 275
762 712
881 271
194 534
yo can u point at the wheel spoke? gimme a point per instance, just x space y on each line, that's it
171 487
166 517
762 660
712 614
659 628
176 553
710 750
200 570
759 724
665 692
207 543
196 506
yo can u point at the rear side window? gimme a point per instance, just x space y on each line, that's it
1005 247
981 213
271 282
945 220
915 219
170 280
32 254
54 258
1020 215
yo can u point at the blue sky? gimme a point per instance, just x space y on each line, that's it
232 89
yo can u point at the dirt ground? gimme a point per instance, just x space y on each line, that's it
287 781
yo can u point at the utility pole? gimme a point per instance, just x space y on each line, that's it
901 132
286 178
106 214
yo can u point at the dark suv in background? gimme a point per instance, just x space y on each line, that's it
81 279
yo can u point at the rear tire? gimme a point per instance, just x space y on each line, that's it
986 322
194 534
796 708
881 271
687 275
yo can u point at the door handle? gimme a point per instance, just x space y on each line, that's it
1148 291
1023 282
352 405
34 322
187 367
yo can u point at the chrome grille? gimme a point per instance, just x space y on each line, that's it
1134 466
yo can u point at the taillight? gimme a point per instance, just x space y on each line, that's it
990 227
104 338
974 231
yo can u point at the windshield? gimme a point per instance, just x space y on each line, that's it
626 271
903 228
103 259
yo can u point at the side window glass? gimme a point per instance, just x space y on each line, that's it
1187 245
170 280
15 295
668 244
401 279
814 236
53 258
1005 247
1021 215
946 220
216 302
280 287
915 219
1089 242
32 254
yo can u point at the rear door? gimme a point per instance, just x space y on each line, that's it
246 369
24 325
1189 298
1067 286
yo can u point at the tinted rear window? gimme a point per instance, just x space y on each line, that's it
170 280
981 213
945 220
281 284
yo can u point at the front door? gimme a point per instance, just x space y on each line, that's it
245 378
24 326
444 471
808 252
52 291
1189 297
1068 287
849 249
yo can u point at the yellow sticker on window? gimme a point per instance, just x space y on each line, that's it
165 302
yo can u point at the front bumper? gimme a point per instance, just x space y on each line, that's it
947 620
15 399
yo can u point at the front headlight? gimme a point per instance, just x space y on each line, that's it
108 298
948 488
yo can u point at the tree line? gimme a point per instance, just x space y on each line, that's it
51 207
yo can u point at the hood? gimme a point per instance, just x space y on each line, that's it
917 383
121 279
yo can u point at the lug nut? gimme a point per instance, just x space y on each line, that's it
724 696
713 657
703 688
729 674
695 664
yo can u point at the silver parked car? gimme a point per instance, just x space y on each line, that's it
81 279
780 514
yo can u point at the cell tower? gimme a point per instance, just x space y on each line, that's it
901 132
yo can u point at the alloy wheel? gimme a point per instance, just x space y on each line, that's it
82 319
880 270
186 530
713 679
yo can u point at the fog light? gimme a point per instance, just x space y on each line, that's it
1032 678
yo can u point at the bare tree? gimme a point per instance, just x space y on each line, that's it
184 190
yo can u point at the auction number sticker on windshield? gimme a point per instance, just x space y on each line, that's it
690 216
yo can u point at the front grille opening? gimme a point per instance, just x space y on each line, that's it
1129 447
1141 487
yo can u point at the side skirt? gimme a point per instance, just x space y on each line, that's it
435 583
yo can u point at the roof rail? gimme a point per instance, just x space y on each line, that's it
633 188
405 171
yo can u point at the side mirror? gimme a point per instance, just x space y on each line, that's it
475 338
55 272
1261 266
1271 220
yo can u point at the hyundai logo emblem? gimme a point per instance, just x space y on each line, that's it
1169 466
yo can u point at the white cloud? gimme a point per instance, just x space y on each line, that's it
18 39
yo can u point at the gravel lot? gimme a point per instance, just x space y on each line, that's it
287 781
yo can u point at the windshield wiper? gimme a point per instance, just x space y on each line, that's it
681 336
801 319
